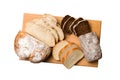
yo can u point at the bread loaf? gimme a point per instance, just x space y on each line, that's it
91 47
29 48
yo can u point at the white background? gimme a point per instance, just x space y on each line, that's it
11 17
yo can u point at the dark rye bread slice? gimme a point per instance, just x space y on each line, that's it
82 27
91 47
74 55
74 23
67 25
64 19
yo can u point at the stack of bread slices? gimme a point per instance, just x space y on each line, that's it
68 53
78 26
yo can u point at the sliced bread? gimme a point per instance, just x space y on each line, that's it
59 33
74 56
64 19
40 33
82 27
46 22
55 34
63 26
67 25
74 23
65 50
57 48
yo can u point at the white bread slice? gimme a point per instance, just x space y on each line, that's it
57 48
50 19
74 56
25 46
54 33
43 22
52 22
59 32
41 33
65 50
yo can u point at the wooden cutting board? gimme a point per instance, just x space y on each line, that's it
95 27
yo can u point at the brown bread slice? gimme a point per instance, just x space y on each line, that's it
64 19
82 27
91 47
67 25
74 23
73 57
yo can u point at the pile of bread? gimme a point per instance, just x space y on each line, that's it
43 37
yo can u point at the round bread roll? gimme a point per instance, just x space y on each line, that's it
29 48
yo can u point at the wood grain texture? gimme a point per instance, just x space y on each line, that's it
95 27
